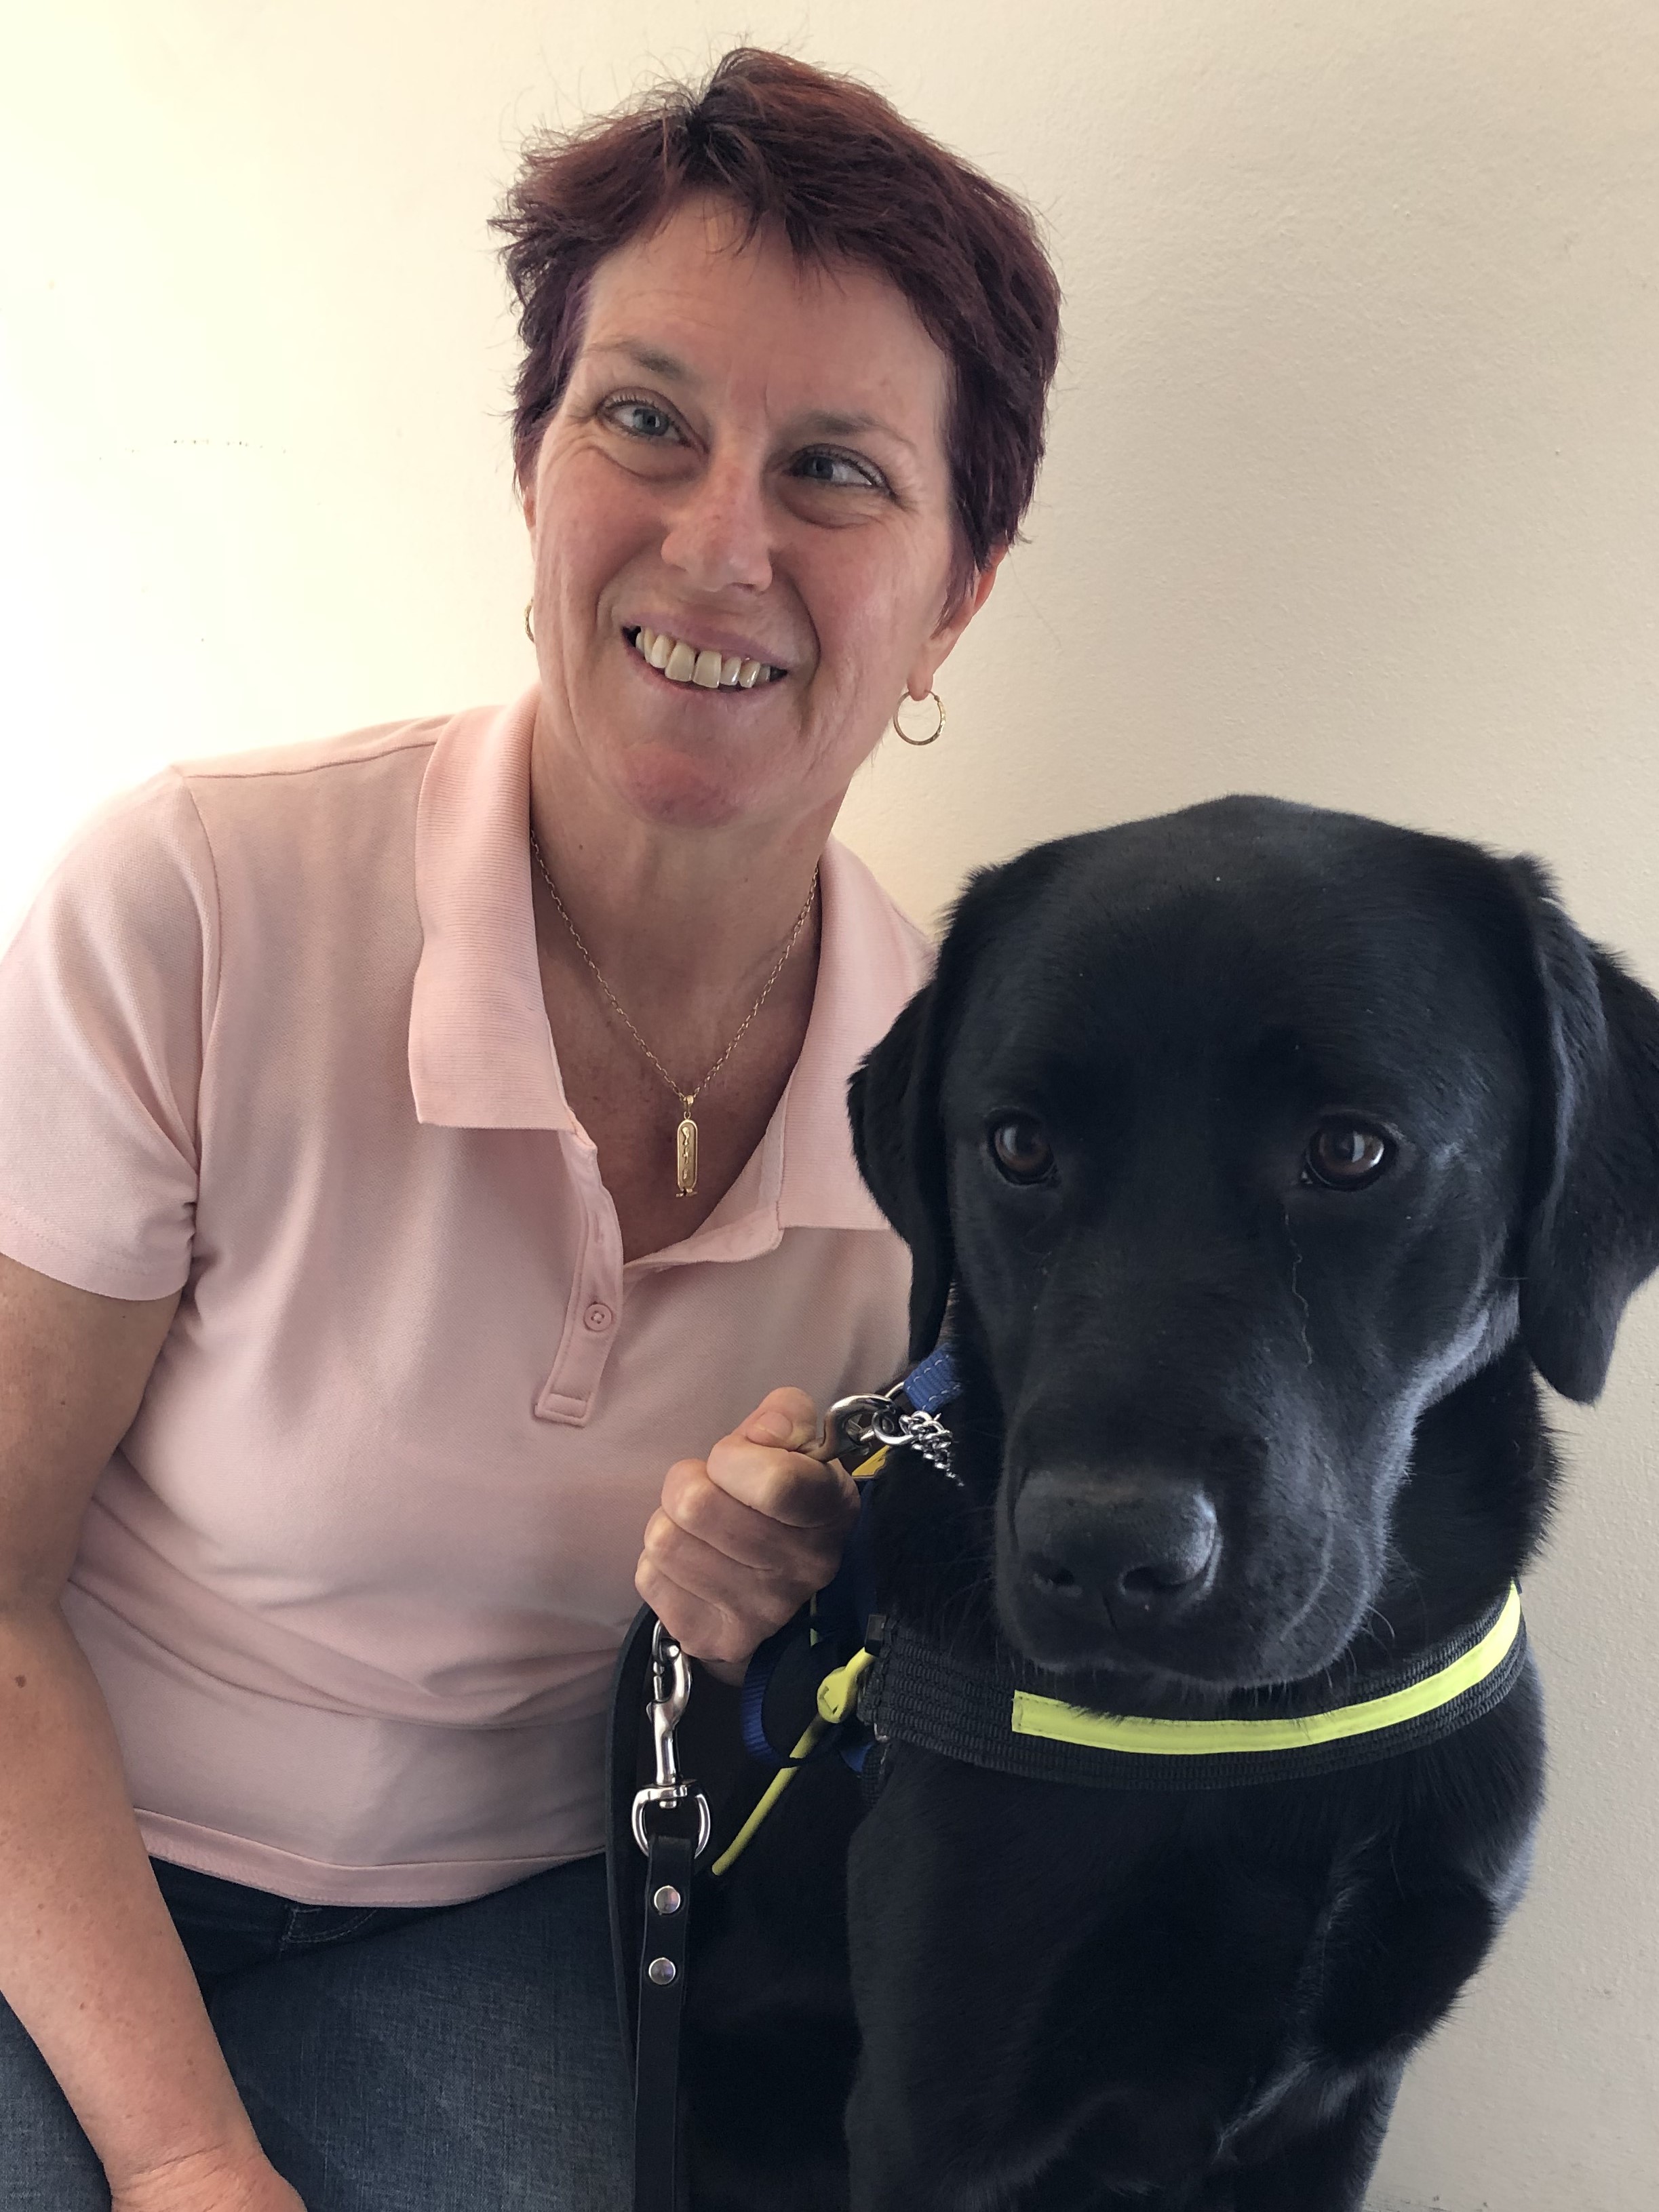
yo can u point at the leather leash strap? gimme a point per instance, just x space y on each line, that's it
670 1818
670 1824
662 2000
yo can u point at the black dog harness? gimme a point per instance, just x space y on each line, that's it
856 1677
913 1693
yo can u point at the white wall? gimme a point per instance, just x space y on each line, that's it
1354 497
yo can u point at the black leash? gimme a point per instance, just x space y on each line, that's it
662 2000
670 1824
670 1817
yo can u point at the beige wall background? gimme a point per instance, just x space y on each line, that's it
1353 495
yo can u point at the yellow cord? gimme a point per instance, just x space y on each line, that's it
835 1695
775 1789
845 1677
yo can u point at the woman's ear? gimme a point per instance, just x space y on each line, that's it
983 584
964 603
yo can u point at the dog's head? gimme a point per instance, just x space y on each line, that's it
1242 1137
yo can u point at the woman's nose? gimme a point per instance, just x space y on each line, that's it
720 534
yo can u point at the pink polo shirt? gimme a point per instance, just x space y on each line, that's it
353 1583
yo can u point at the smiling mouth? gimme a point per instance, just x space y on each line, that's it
684 663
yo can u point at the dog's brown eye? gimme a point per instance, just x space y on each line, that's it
1021 1150
1347 1155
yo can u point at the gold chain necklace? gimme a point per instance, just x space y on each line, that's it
685 1137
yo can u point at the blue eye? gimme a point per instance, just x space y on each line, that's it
822 467
641 418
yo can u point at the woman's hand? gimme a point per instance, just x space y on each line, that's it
743 1538
239 2181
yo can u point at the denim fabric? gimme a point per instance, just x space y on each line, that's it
463 2059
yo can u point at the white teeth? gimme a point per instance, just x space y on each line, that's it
689 664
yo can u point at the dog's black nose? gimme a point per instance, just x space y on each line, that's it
1136 1547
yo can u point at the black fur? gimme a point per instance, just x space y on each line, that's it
1223 1428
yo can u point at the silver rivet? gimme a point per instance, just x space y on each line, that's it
661 1970
667 1898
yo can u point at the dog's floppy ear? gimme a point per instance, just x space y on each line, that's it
1591 1235
898 1140
893 1099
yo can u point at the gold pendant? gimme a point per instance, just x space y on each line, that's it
685 1155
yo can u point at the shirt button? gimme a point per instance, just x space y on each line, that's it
598 1316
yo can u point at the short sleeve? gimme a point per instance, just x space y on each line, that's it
106 995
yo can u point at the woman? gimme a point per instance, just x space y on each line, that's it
347 1326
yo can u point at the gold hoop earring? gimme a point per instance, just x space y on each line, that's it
904 734
529 627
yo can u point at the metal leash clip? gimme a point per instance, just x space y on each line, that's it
670 1693
857 1425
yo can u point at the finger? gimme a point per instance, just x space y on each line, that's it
765 1597
793 1484
786 1417
701 1623
696 1503
702 1631
784 1485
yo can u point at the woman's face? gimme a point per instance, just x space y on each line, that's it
748 462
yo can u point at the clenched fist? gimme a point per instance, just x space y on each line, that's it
743 1538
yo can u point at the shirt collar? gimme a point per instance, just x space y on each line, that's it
872 960
480 1053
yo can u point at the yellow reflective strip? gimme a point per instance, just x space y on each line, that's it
873 1465
1064 1723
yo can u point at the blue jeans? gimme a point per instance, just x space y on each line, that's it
461 2059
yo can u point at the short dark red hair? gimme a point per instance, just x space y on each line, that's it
844 178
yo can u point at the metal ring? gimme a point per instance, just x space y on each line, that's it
899 732
887 1427
651 1799
848 1421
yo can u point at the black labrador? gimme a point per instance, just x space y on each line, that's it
1263 1159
